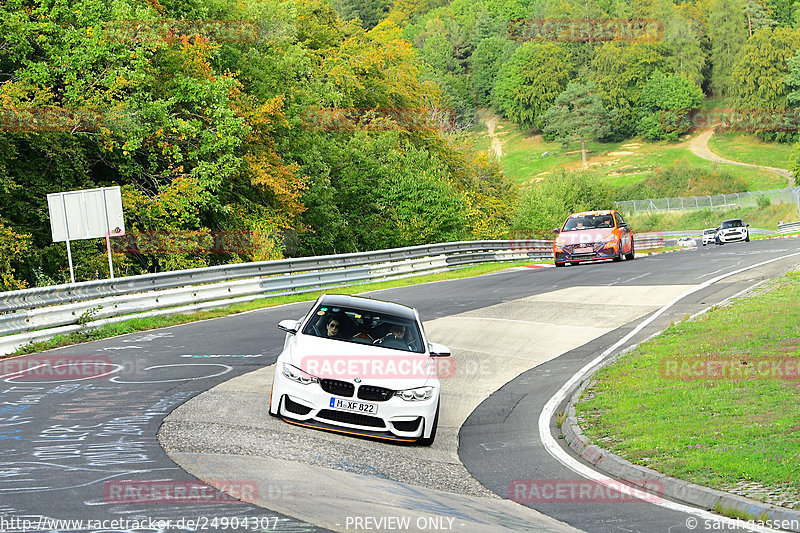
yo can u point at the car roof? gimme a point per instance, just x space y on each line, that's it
584 213
368 304
732 220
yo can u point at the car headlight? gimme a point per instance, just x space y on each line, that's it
559 245
415 395
611 239
295 374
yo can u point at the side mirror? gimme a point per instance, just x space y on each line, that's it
439 350
556 231
289 326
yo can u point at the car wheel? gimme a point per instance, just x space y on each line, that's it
747 239
427 442
631 254
560 264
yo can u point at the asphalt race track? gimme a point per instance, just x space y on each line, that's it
91 446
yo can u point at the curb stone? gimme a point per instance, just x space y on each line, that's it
675 489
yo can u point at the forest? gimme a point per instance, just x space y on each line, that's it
316 127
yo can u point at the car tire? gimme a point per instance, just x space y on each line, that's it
422 441
747 239
560 264
631 254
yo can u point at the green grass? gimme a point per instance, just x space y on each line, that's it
705 218
528 158
142 324
751 149
714 431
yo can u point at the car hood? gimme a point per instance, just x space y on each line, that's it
373 365
584 236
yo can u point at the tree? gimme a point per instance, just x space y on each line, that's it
531 80
13 247
370 12
758 16
760 75
728 32
666 104
620 71
485 61
577 115
761 68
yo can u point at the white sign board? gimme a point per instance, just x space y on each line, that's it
88 214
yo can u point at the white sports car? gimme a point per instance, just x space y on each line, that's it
360 366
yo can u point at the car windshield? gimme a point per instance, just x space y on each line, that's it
582 222
732 224
365 327
709 232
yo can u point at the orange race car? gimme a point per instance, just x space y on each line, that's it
593 235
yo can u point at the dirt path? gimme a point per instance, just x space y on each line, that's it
699 147
497 146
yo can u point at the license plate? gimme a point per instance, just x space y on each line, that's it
356 407
582 249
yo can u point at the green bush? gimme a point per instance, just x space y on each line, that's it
682 179
545 206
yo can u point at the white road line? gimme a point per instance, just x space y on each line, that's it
225 370
573 464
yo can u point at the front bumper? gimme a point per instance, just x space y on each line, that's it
733 236
396 419
599 251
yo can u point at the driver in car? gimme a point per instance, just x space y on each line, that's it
395 338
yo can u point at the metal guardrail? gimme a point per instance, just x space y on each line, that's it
38 313
87 290
790 227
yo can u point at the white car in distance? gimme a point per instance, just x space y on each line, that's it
359 366
708 236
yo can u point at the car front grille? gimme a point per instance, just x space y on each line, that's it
596 247
339 388
351 418
294 407
411 425
376 394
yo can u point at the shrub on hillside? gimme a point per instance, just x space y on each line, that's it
545 206
681 179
